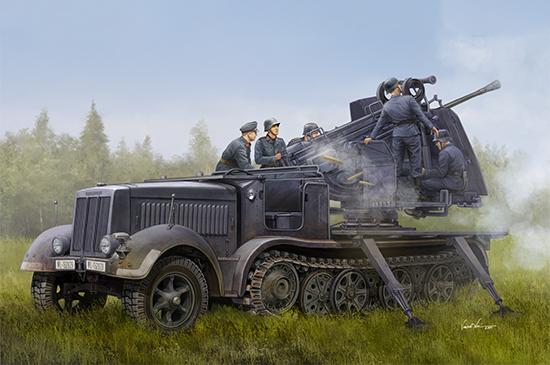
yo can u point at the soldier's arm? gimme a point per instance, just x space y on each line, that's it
382 120
241 158
260 158
443 166
419 114
293 141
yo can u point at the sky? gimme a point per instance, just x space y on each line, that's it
156 68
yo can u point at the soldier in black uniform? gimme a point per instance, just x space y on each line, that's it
403 111
237 153
450 172
311 131
269 150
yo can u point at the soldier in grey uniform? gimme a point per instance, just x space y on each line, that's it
269 150
237 153
311 131
403 111
450 172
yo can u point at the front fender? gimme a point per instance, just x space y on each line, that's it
148 245
249 251
39 253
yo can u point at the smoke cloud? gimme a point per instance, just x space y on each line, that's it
521 109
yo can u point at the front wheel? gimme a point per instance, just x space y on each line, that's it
171 297
48 291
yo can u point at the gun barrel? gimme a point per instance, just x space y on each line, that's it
429 80
495 85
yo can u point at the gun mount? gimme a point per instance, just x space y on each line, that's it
363 177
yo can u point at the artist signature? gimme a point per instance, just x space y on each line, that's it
472 325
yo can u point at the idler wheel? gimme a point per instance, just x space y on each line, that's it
349 292
315 292
404 277
439 285
280 288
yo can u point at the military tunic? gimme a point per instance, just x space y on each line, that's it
236 155
295 141
449 173
266 149
403 111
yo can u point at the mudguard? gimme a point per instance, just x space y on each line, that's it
249 251
39 253
148 245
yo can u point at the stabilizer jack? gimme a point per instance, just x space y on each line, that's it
371 250
464 250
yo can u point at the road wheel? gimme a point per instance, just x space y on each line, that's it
439 285
315 292
171 297
349 292
405 279
47 293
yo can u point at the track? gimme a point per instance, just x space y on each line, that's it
276 280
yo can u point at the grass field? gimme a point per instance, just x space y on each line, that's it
226 335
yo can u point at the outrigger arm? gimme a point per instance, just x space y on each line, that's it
377 260
464 250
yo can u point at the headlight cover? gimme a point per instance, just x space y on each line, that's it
60 245
108 245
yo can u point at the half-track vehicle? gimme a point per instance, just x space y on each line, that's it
266 239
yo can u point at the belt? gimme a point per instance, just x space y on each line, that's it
228 163
459 174
403 122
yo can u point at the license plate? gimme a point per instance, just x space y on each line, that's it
95 265
64 264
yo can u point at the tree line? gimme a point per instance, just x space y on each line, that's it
39 168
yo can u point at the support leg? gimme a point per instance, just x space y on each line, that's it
464 250
371 250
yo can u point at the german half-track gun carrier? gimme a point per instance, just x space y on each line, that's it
263 239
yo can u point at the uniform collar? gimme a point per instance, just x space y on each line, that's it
246 143
269 138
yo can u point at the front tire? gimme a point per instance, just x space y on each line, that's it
47 293
171 297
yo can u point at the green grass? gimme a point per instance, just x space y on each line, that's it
226 335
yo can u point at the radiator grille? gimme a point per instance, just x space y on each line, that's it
91 219
205 219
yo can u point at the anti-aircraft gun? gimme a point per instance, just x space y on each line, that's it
364 178
263 238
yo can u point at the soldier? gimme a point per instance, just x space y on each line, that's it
237 153
403 111
450 172
311 131
269 150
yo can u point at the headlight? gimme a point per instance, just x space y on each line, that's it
60 245
251 194
108 245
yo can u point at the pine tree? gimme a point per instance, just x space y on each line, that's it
93 149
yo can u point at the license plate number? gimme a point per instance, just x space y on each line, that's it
95 265
64 264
